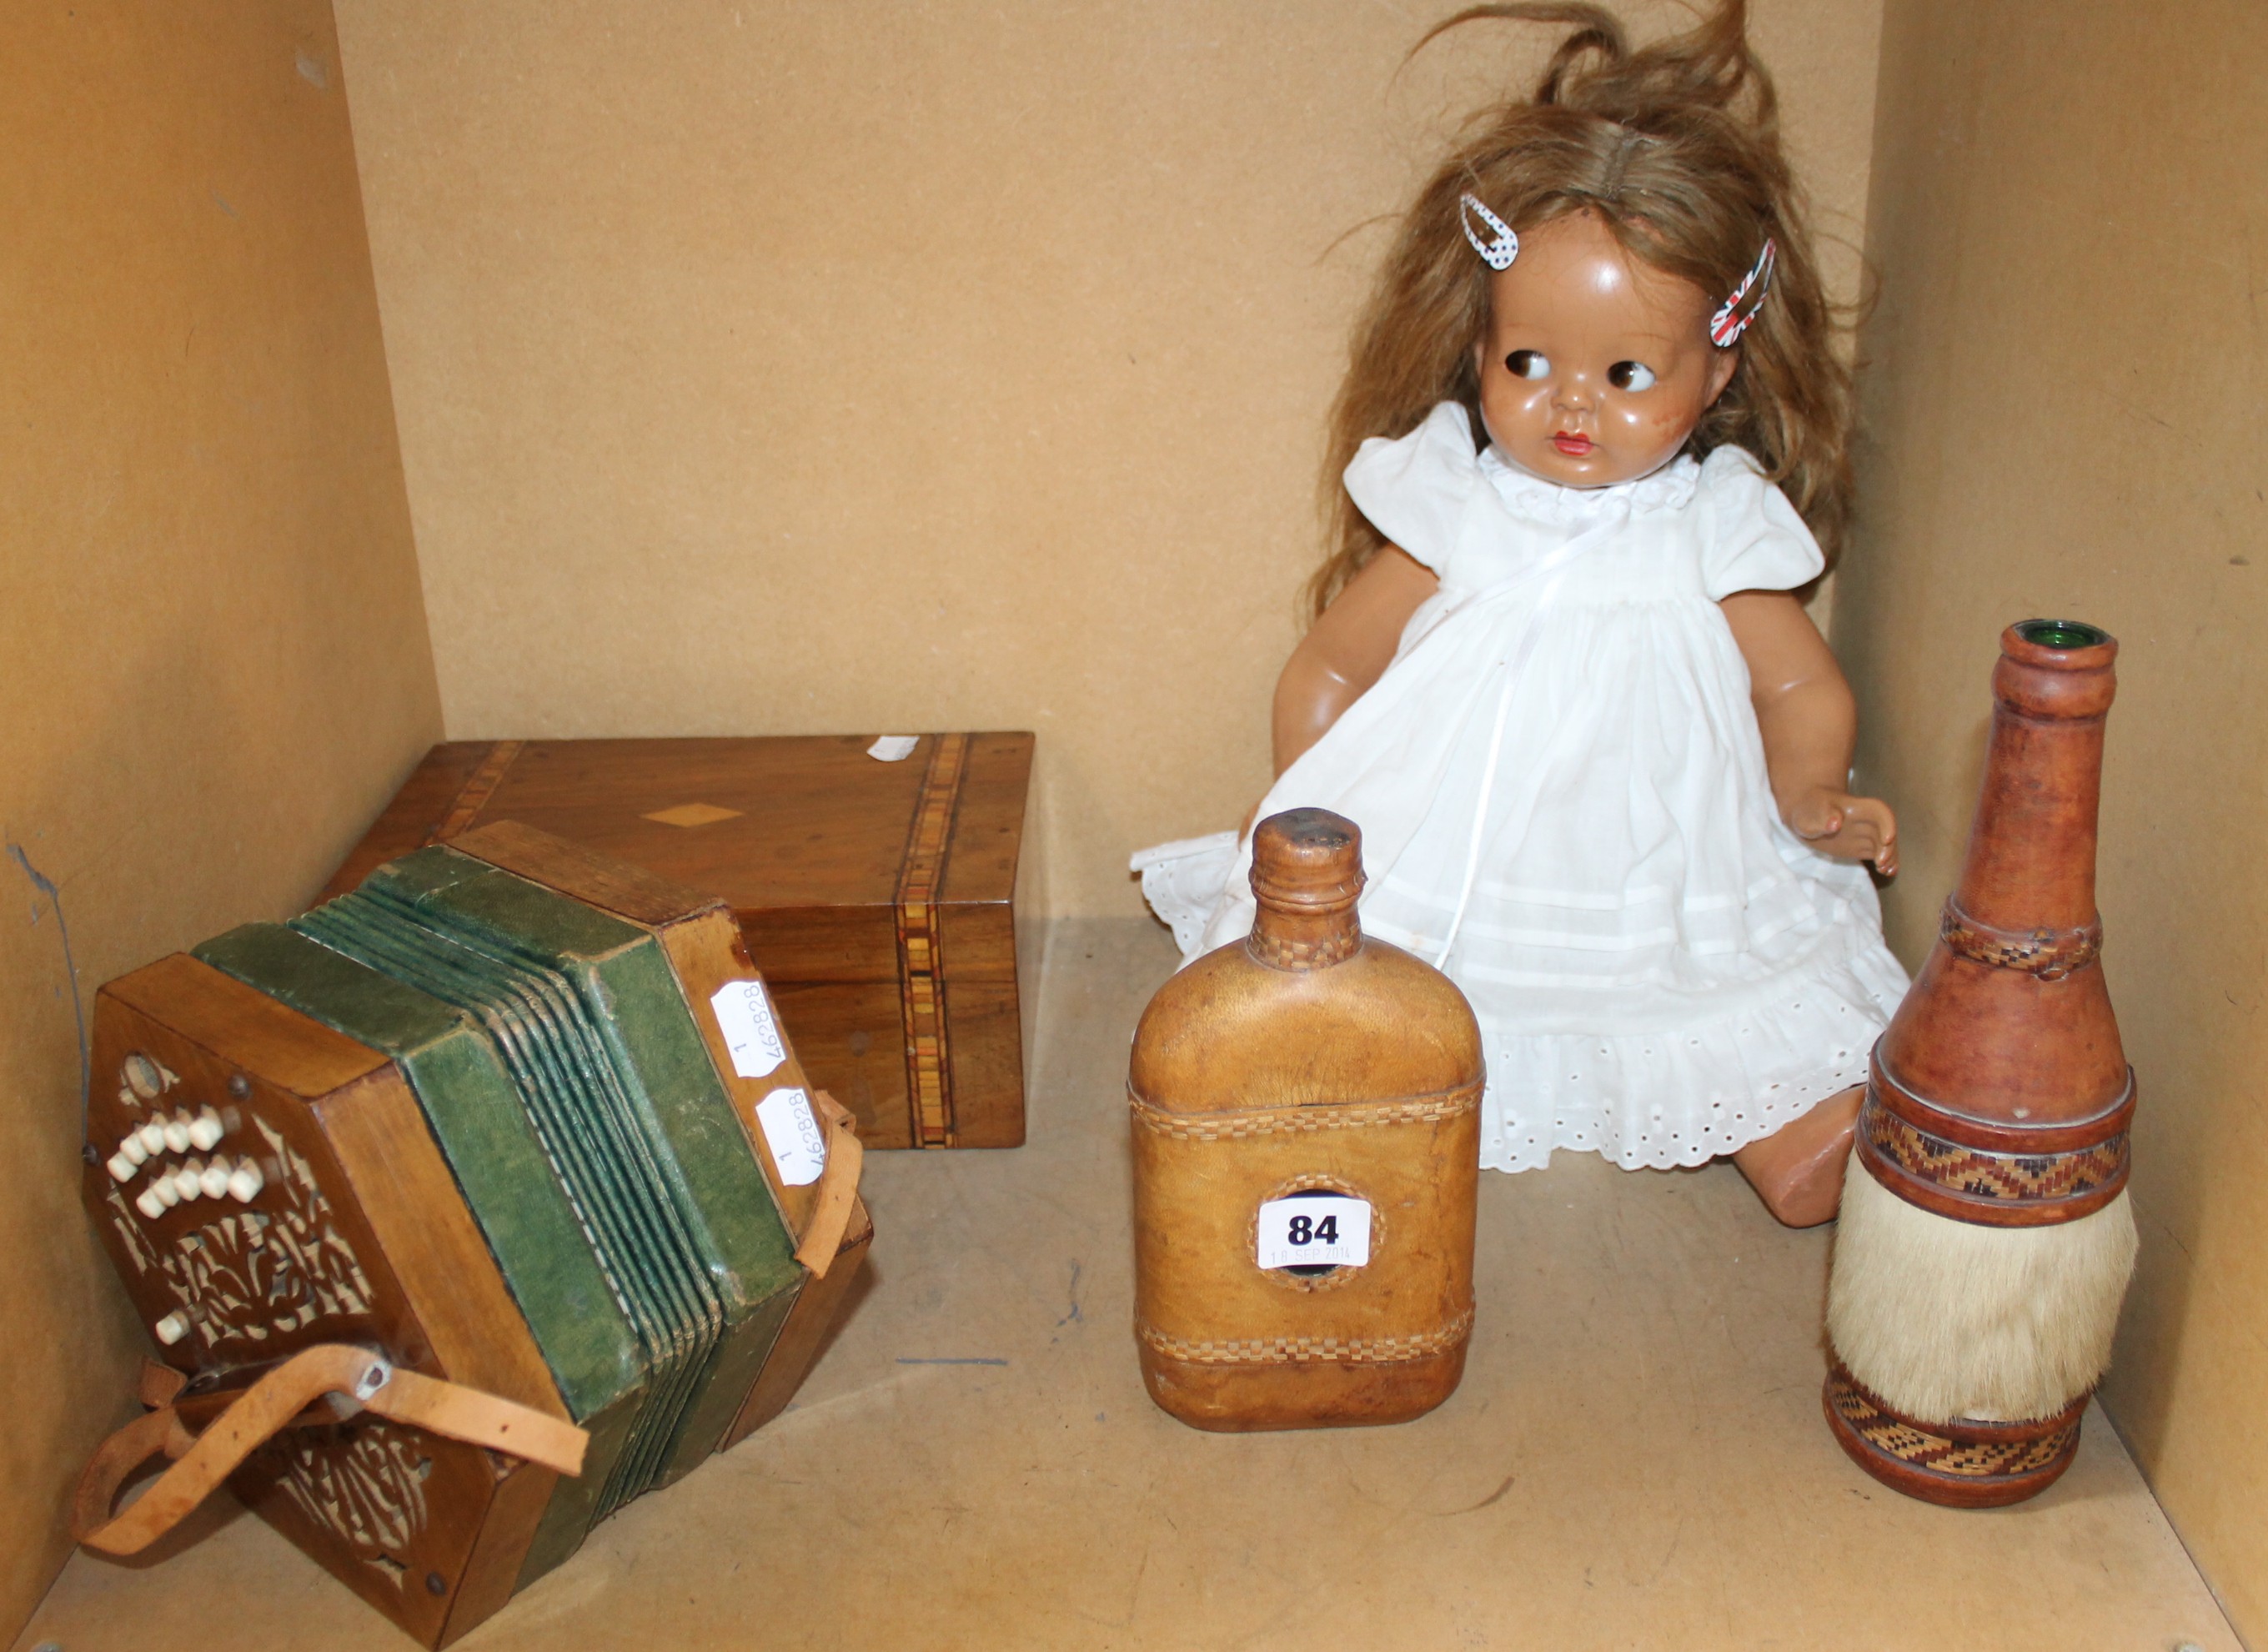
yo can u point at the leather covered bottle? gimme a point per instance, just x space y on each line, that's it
1986 1241
1287 1090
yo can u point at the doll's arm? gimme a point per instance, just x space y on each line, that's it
1809 722
1348 649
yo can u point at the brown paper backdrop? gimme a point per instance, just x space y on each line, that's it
2069 403
873 367
212 655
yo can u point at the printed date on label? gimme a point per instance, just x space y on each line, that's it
1314 1230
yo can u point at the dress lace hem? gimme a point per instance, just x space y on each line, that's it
1682 1096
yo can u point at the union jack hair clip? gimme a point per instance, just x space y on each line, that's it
1726 325
1503 246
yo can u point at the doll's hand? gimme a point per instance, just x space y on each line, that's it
1845 827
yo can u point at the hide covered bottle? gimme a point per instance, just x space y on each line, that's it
1986 1239
1305 1131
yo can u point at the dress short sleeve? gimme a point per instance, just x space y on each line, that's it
1414 488
1756 541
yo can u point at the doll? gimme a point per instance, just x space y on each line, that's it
1592 440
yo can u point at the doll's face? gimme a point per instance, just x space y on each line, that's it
1595 367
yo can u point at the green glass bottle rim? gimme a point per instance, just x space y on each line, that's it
2063 634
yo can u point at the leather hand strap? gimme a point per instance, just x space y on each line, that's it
839 1188
274 1403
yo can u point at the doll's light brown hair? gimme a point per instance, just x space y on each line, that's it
1675 147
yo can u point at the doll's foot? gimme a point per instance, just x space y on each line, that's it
1798 1169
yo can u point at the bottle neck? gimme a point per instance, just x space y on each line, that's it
2031 855
1302 938
1307 872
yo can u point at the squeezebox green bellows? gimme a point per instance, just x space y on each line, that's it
510 1116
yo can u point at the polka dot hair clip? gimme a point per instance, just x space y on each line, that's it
1726 325
1503 246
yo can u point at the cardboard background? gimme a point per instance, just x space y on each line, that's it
869 367
213 653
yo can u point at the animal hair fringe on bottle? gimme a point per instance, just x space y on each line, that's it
1675 147
1947 1320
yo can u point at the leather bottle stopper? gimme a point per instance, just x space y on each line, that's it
1307 875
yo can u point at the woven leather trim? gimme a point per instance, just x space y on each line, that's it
1424 1109
2023 1449
1300 1349
1972 1175
2049 954
1279 953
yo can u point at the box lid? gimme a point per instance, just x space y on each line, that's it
770 824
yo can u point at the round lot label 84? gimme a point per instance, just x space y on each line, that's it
1314 1230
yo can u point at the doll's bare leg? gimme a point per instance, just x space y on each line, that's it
1798 1169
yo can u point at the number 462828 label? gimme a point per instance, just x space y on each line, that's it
744 1017
1314 1230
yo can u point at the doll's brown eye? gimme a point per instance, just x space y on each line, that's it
1528 363
1631 375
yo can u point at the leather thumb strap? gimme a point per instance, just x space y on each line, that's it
270 1405
838 1187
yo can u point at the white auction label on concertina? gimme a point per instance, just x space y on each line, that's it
744 1015
792 1133
1329 1230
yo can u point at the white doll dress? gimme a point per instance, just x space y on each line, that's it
1563 749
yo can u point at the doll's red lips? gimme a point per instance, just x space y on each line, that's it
1574 447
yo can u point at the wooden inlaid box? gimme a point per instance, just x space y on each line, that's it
880 899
